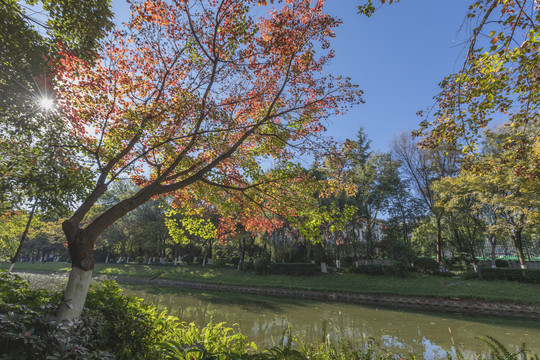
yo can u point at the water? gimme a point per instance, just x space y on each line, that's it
264 320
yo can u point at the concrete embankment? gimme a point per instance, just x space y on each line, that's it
448 305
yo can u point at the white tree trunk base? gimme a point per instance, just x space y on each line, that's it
72 304
324 269
11 267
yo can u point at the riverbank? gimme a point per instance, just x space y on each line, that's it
446 305
433 293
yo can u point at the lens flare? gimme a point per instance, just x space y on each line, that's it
46 103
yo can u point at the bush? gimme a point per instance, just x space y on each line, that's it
470 275
139 259
369 269
348 261
29 331
531 276
500 274
294 269
187 259
115 326
426 265
501 263
248 265
445 273
220 262
520 275
261 265
131 327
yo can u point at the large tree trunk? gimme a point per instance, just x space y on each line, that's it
81 251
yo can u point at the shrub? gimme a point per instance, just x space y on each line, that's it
520 275
500 274
139 259
532 276
369 269
220 262
294 269
348 261
132 327
469 275
444 273
188 259
398 269
426 265
248 265
501 263
261 265
29 331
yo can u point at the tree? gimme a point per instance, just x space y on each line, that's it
36 156
187 100
376 178
510 197
499 79
424 167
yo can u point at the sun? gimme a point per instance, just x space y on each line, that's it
46 103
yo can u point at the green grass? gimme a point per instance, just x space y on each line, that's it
433 286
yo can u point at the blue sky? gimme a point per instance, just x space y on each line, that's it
397 57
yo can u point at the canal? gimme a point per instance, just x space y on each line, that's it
265 319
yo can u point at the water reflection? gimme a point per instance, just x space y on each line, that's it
265 319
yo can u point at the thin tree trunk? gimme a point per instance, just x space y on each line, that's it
324 268
491 239
439 241
473 253
15 257
518 243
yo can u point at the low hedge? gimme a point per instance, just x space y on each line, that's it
531 276
369 269
294 269
426 265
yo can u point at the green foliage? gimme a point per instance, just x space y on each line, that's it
211 342
501 352
501 263
11 228
132 328
520 275
369 269
402 255
294 269
28 329
368 9
188 259
426 265
184 227
261 265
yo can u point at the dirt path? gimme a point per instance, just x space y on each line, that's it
447 305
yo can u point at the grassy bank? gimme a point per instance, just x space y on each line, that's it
434 286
